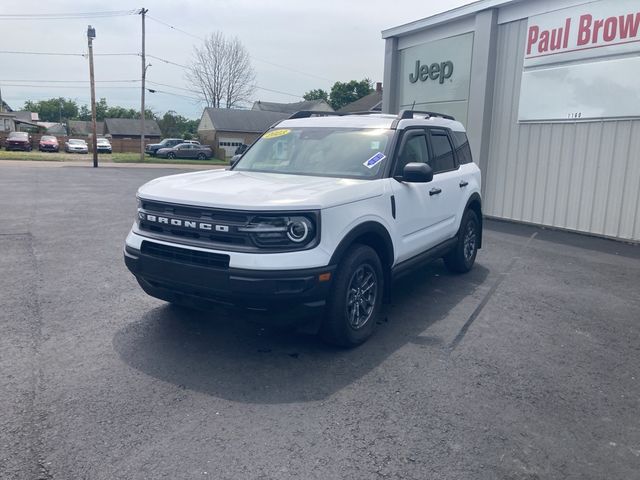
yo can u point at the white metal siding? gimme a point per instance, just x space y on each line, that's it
581 176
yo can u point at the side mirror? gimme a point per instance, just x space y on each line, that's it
416 173
234 160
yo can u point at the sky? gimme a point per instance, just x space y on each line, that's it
295 46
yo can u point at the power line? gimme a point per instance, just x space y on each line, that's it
69 81
172 27
66 16
170 86
284 67
153 90
257 86
66 54
54 86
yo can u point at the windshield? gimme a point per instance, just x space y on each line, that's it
322 152
102 140
48 138
77 142
21 135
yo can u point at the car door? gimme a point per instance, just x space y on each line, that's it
446 174
185 151
417 204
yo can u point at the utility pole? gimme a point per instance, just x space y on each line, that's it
142 12
91 34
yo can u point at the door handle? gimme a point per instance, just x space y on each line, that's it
463 184
435 191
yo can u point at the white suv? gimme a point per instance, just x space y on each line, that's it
323 212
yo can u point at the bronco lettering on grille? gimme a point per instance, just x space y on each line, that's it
178 222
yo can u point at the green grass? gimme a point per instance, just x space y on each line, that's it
35 156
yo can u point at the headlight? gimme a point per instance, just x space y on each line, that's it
293 231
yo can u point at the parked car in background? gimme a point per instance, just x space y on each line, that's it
49 143
74 145
18 141
186 150
153 148
104 146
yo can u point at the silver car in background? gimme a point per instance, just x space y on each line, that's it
74 145
104 146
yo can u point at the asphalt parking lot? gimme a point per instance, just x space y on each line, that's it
526 368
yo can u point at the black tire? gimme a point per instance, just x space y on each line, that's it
171 155
343 326
202 156
463 256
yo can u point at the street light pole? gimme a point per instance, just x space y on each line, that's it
142 12
91 34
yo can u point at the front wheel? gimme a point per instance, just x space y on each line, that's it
463 256
356 298
171 155
201 156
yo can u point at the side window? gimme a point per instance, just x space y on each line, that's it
442 159
413 151
463 150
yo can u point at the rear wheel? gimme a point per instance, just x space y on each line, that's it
356 298
463 256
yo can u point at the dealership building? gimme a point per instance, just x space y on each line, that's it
549 91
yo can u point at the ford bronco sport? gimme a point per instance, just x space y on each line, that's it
322 212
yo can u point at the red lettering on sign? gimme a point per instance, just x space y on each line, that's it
584 30
534 31
610 29
629 25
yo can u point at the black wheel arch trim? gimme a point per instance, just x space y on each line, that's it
365 228
475 197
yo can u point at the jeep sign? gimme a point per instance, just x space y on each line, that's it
436 76
437 71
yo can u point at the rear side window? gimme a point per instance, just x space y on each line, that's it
442 160
463 150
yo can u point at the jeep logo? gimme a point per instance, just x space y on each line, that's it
435 71
177 222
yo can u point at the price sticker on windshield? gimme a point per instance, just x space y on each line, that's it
375 160
276 133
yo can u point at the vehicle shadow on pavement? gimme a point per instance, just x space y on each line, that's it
221 354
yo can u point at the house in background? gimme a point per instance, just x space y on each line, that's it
368 103
27 121
291 108
130 128
7 122
82 128
226 129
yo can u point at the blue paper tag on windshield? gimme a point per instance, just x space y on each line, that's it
373 161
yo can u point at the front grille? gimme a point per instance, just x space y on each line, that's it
183 255
228 219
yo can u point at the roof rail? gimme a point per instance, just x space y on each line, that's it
310 113
408 114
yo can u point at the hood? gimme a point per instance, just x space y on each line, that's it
259 191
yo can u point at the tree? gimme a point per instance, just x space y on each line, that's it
54 109
317 94
176 126
345 93
221 72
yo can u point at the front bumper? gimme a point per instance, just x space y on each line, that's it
266 290
18 146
